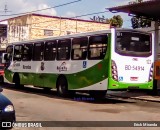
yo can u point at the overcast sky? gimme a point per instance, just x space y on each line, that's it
75 9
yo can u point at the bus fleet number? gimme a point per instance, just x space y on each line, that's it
133 67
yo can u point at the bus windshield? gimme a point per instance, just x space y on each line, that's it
133 44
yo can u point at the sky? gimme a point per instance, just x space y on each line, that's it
78 8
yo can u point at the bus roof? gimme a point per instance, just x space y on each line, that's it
74 35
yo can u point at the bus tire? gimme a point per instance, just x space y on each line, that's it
1 79
62 87
16 80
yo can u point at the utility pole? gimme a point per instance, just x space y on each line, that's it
5 9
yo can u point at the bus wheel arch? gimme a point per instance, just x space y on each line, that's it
62 86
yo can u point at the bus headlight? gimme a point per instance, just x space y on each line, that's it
9 108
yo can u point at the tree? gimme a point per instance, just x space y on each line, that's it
115 21
140 22
135 22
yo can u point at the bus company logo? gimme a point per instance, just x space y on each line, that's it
134 78
62 67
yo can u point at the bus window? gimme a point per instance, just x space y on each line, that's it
9 52
50 50
1 52
79 48
38 51
63 49
18 52
97 47
133 44
27 52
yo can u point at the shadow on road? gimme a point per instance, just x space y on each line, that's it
78 97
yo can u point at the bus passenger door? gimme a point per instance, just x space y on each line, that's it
38 64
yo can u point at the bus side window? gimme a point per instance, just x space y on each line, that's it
63 49
50 50
97 47
9 52
38 51
18 52
27 53
79 48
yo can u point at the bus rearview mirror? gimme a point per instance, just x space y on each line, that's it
4 57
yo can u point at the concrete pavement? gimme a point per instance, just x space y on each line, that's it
136 94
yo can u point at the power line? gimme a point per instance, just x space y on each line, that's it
89 14
73 17
43 9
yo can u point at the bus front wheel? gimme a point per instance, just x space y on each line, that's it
1 79
62 87
16 80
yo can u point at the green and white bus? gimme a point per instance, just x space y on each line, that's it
94 62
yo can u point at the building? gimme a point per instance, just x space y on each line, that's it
3 35
36 26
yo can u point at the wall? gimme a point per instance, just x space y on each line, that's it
36 26
19 28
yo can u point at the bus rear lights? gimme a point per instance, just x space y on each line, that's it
114 70
150 78
115 77
151 73
113 67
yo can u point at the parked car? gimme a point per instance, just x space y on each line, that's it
7 112
1 73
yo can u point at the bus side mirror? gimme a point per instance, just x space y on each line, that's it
4 57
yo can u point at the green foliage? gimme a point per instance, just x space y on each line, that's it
140 22
115 21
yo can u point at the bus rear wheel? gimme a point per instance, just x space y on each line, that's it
16 81
1 79
62 87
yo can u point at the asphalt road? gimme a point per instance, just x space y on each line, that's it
32 104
